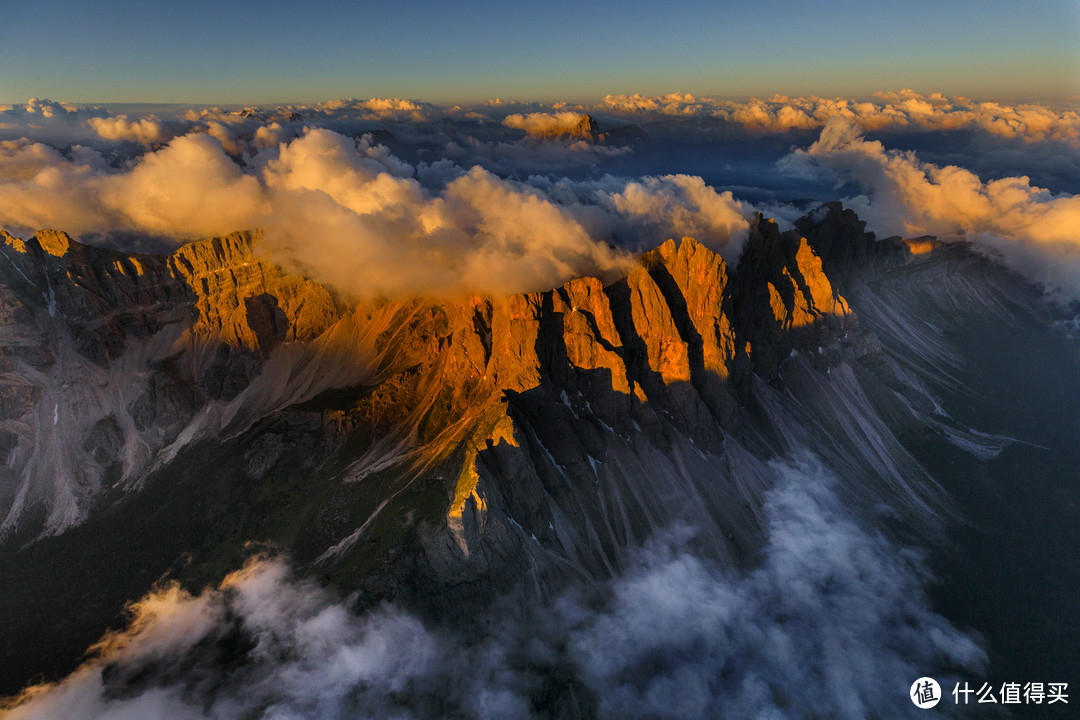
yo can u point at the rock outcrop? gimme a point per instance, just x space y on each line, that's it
136 344
785 302
584 129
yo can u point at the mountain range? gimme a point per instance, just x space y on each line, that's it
167 417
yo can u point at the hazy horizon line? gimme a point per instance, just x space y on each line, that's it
497 100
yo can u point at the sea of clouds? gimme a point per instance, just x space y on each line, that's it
390 196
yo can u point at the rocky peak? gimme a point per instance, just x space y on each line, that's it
53 242
784 300
840 239
50 242
102 295
13 242
695 282
587 129
233 295
246 301
661 355
584 129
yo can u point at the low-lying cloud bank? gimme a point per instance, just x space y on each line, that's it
901 112
906 109
834 622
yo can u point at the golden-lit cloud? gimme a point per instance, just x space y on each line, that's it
683 205
376 109
521 237
350 219
48 108
344 211
896 110
383 108
270 135
225 135
1035 230
145 131
189 188
671 104
40 188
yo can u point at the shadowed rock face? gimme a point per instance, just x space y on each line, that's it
435 452
140 343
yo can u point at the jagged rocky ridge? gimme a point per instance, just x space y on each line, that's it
166 412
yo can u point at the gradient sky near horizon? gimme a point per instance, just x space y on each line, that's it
278 51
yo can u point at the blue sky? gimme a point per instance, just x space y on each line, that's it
274 51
